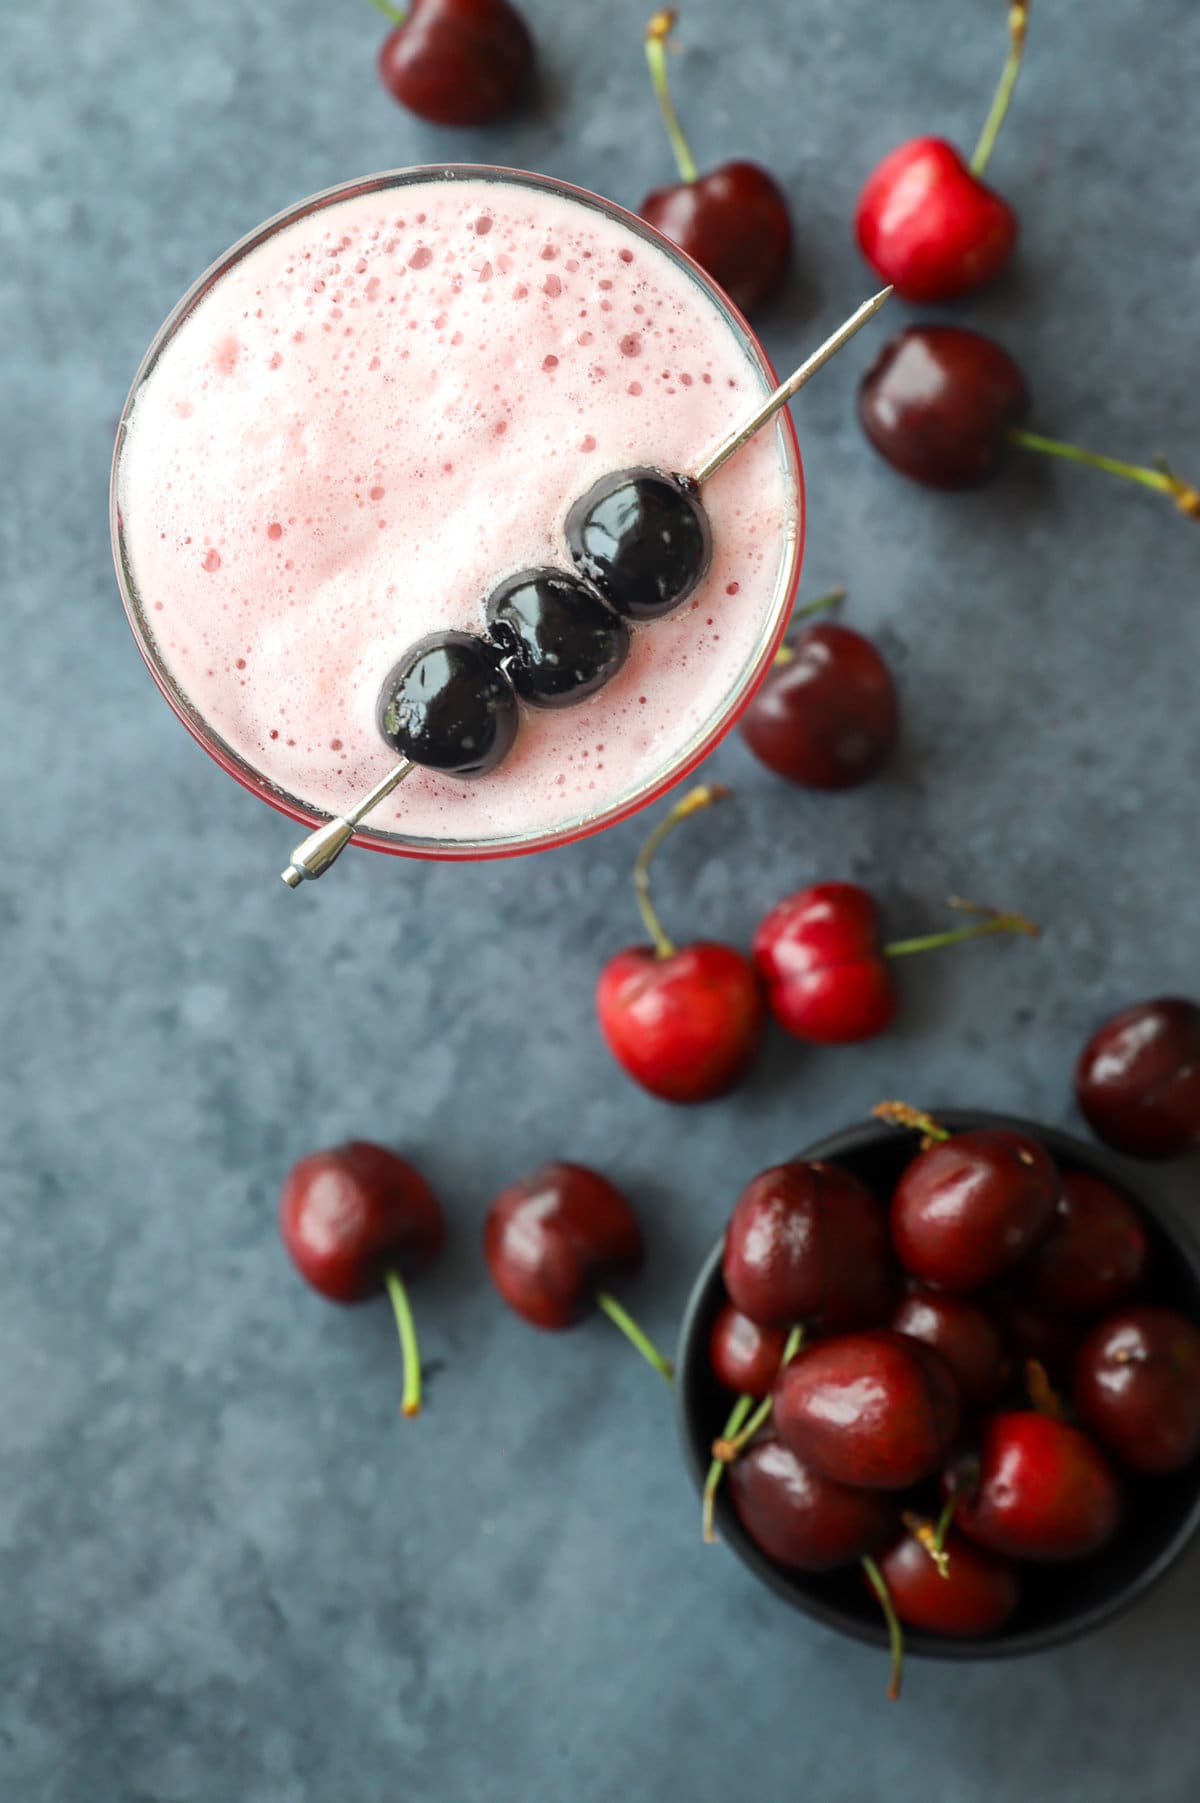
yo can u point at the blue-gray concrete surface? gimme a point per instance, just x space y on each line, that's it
228 1574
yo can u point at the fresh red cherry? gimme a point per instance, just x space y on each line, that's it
744 1356
684 1022
926 220
1094 1254
801 1519
875 1410
966 1336
808 1242
964 1593
734 221
1043 1490
826 717
1138 1079
821 955
555 1239
351 1218
1137 1387
456 62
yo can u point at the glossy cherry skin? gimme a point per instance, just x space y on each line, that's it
449 704
938 402
457 62
808 1243
1138 1079
686 1027
642 538
554 1237
820 956
744 1356
734 222
349 1215
929 226
1137 1388
1094 1255
970 1207
1044 1491
800 1519
965 1335
977 1595
828 718
875 1410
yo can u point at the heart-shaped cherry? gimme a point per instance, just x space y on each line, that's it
963 1593
1138 1079
926 220
825 966
941 404
734 221
1094 1254
875 1410
455 62
554 1240
971 1205
801 1519
966 1336
808 1242
1041 1490
827 716
1137 1388
685 1022
351 1218
743 1355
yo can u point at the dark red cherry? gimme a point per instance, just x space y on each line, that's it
456 62
938 403
744 1356
1137 1388
554 1237
930 226
875 1410
970 1207
821 956
1138 1079
966 1336
1094 1254
1044 1491
976 1595
808 1242
799 1518
827 717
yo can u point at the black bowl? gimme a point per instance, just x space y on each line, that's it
1066 1600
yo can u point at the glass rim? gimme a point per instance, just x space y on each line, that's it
629 802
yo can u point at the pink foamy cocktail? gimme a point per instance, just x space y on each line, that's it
379 405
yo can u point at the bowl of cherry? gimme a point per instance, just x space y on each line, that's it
939 1384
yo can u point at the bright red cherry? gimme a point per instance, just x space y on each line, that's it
875 1410
808 1242
1094 1254
1138 1079
966 1336
744 1356
1137 1387
684 1022
734 221
351 1218
456 62
1044 1491
799 1518
966 1593
970 1207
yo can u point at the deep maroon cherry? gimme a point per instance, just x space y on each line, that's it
1138 1079
352 1218
1137 1387
1094 1254
966 1593
1042 1490
734 221
965 1334
801 1519
456 62
449 704
743 1355
970 1207
875 1410
642 537
938 403
808 1243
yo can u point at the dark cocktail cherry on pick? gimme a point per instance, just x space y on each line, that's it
926 220
1138 1079
683 1021
734 221
553 1242
826 716
808 1243
1094 1254
449 705
801 1519
966 1335
352 1218
1137 1388
1039 1489
820 954
942 404
561 642
455 62
642 538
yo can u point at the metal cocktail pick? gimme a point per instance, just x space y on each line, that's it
313 856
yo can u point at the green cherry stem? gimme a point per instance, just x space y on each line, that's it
658 33
410 1402
942 1526
1164 481
692 803
878 1583
992 922
1018 22
390 12
786 653
925 1534
716 1470
633 1333
902 1114
730 1447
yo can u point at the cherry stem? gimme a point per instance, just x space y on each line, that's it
1162 479
925 1533
902 1114
692 803
410 1402
878 1583
1043 1397
730 1447
992 922
633 1333
390 12
786 654
1018 21
657 34
716 1470
943 1526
